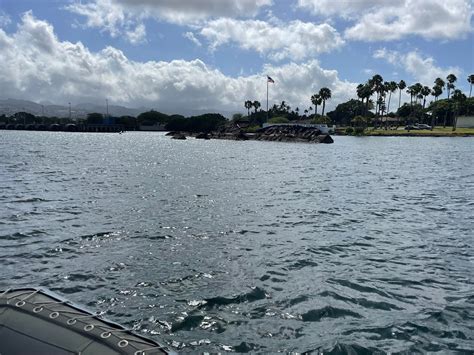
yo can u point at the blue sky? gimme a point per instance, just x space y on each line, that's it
215 54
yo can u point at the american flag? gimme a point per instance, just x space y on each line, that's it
270 80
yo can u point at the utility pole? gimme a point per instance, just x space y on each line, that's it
107 107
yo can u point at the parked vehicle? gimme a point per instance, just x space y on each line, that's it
423 126
411 127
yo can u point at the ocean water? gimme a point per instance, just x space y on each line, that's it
363 246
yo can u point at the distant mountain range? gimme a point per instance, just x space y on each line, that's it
10 106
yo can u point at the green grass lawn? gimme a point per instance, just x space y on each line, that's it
436 132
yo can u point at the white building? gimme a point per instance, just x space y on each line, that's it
465 122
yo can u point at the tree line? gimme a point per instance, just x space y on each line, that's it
375 102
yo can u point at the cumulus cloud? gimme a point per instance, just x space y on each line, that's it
38 66
117 17
136 35
422 68
384 20
344 8
295 40
191 11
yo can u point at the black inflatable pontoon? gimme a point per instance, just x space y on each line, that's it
37 321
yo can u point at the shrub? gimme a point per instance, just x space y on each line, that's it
252 129
359 131
278 120
321 120
349 131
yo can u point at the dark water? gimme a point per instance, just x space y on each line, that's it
365 245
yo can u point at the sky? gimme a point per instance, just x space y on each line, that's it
177 56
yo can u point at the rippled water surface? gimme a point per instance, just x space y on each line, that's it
364 245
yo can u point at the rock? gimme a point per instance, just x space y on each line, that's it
203 136
325 138
179 136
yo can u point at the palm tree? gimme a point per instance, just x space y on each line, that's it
458 98
366 93
417 91
437 91
401 86
325 94
425 91
451 78
439 82
470 80
377 85
411 91
360 92
256 104
316 100
248 105
284 107
391 88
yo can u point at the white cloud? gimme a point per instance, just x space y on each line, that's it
423 69
120 16
344 8
36 65
295 40
4 19
192 38
191 11
385 20
137 35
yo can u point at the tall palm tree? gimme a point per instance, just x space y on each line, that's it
439 82
417 91
316 100
401 86
458 98
470 80
256 105
325 94
360 92
377 85
451 78
411 91
391 88
367 92
248 105
425 91
438 88
436 92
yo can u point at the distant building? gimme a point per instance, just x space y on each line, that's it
465 122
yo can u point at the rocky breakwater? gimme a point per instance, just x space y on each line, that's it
292 133
274 133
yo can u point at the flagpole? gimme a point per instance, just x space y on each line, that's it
267 99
